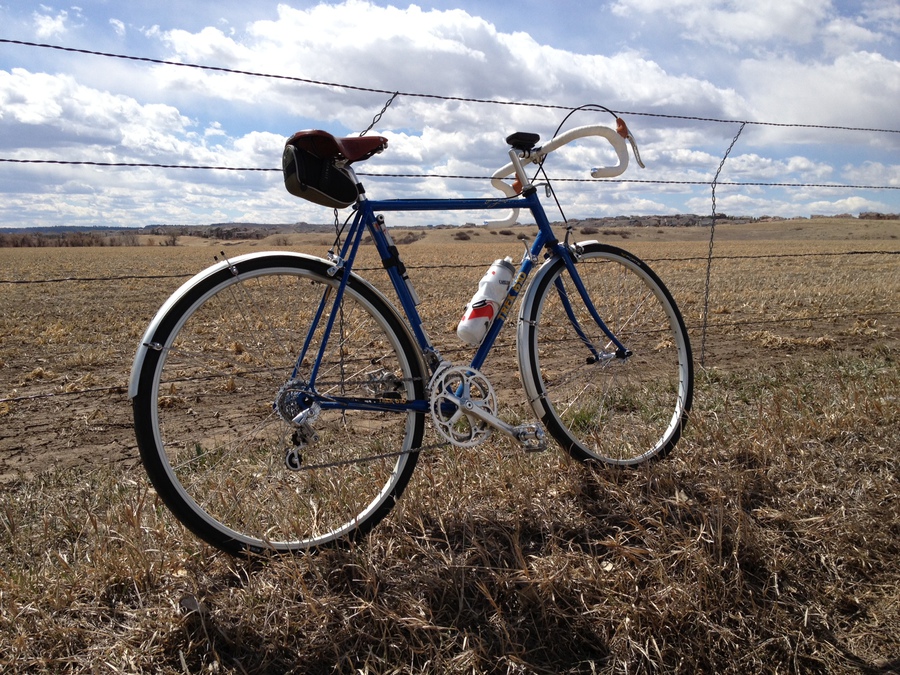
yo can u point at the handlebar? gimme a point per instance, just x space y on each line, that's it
616 138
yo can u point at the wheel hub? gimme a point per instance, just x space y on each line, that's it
291 400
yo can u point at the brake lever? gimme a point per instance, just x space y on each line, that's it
622 130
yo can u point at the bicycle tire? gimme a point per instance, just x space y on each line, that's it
621 411
213 427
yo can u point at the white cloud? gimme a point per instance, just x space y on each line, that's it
687 157
883 16
81 116
47 26
209 46
852 204
448 53
872 173
214 129
844 34
788 61
755 167
858 89
732 22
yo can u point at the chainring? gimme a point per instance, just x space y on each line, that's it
452 422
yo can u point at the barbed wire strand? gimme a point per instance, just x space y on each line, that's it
123 388
454 266
393 94
363 174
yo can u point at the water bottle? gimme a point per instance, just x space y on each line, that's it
484 305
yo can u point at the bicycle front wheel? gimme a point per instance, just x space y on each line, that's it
217 387
597 403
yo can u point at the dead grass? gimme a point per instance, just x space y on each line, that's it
767 543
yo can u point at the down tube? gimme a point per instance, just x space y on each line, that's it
515 288
544 238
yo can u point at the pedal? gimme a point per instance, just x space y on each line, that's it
531 437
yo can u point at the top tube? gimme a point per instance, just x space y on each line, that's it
484 204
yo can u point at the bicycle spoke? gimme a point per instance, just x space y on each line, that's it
623 409
214 431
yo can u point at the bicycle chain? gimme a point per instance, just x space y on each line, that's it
369 458
372 458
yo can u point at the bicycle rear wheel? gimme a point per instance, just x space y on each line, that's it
214 394
599 406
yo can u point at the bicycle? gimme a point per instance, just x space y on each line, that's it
280 400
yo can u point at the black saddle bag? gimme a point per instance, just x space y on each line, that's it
317 180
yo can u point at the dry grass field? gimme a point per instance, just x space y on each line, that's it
768 542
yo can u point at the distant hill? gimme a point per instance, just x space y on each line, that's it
260 230
196 230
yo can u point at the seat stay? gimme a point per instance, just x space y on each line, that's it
343 272
313 326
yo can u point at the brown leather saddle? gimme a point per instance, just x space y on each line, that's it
349 148
314 164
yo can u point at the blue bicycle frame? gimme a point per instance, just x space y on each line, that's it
366 219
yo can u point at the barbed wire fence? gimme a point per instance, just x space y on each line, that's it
393 95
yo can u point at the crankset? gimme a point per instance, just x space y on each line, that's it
464 410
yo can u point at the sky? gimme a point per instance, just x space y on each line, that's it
788 67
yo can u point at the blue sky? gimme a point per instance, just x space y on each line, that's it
808 62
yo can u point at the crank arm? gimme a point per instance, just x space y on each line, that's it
530 436
469 408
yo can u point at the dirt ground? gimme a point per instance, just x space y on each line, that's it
72 317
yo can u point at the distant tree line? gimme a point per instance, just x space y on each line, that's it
67 239
225 233
168 236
